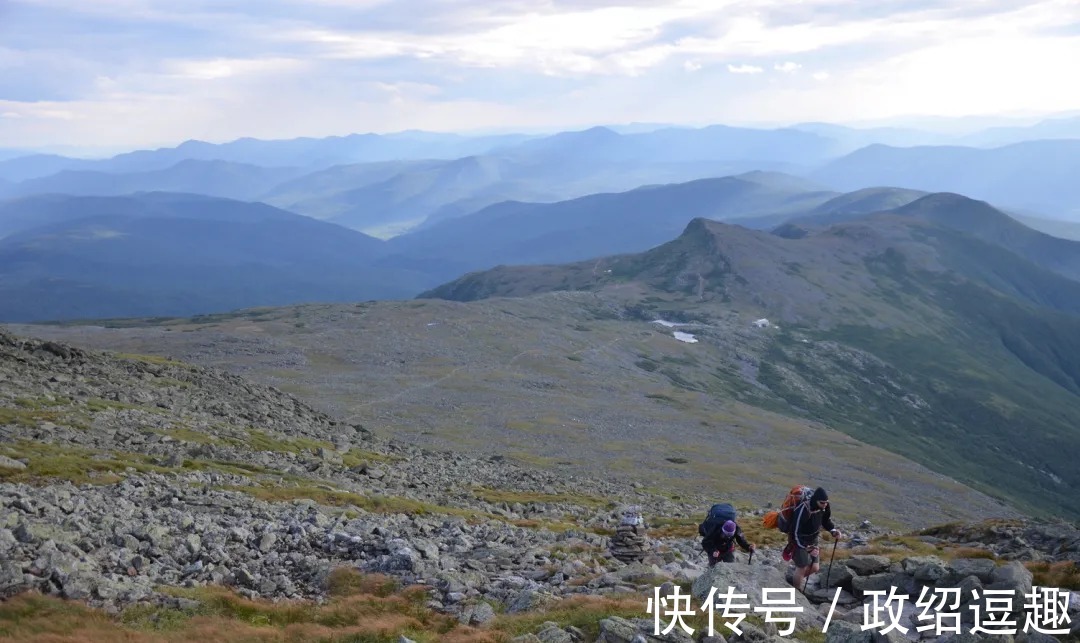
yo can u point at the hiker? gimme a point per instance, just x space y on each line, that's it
809 518
720 544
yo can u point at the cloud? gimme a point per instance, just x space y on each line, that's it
228 68
99 71
744 69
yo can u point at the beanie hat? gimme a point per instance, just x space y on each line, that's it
819 495
729 527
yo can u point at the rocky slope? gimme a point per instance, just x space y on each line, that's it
122 476
123 473
521 379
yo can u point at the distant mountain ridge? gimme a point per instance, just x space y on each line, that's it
170 254
387 184
1035 175
217 178
313 153
600 224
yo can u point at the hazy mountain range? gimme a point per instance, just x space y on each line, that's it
93 237
167 254
387 184
1043 176
65 256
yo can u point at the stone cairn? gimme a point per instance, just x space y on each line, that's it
628 543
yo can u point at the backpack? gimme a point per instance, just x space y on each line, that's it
783 519
718 515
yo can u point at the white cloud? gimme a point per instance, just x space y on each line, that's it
980 75
300 67
744 69
228 68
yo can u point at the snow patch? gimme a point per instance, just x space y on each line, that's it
685 337
667 324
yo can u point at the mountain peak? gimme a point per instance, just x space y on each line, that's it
948 206
591 135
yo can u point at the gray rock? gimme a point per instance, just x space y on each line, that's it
530 600
11 463
835 575
12 579
267 542
844 632
750 634
930 572
867 565
615 629
7 541
1012 576
752 580
482 613
554 634
982 568
877 582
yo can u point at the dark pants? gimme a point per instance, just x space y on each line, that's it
724 557
802 557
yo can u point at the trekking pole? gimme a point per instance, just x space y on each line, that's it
751 557
832 557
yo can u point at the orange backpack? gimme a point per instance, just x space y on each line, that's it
782 519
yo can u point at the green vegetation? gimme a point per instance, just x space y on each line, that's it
80 466
261 441
1064 574
155 359
508 496
337 498
361 609
961 414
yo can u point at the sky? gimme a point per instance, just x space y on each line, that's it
138 73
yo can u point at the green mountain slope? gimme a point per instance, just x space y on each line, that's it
895 329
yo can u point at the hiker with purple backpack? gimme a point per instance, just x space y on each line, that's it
720 533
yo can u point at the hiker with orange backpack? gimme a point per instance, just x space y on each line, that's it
807 520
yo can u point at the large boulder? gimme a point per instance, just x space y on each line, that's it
982 568
867 565
615 629
844 632
752 580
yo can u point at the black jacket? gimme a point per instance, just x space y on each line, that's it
808 523
717 541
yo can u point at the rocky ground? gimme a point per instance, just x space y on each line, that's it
521 378
122 476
